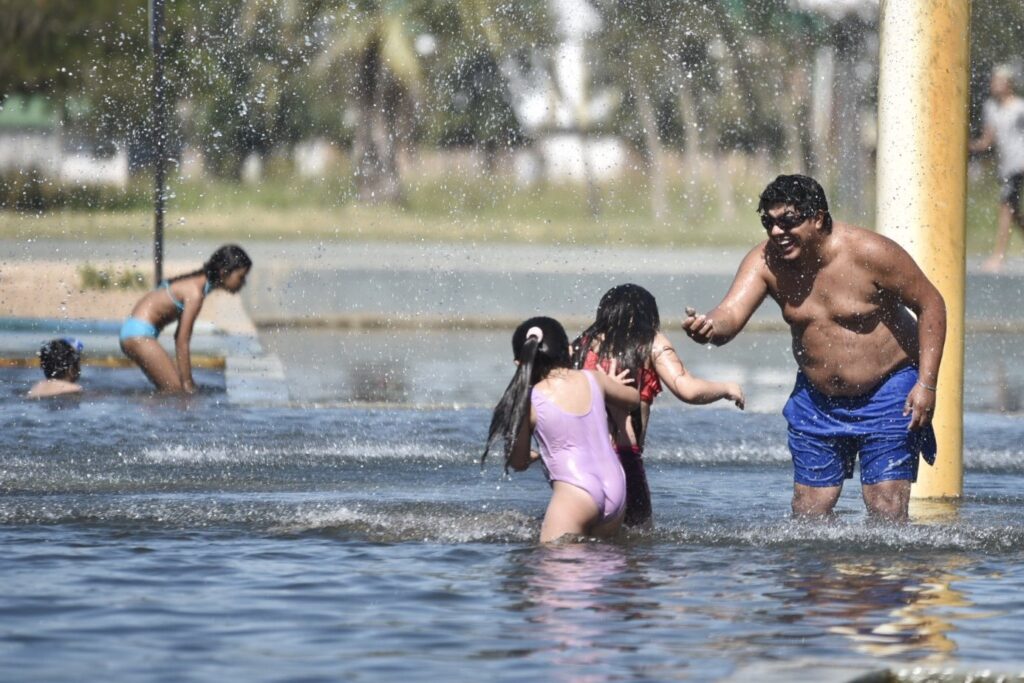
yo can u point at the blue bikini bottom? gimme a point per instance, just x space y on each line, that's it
134 327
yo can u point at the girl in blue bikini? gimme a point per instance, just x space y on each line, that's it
179 298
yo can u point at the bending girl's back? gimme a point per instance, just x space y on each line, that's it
180 299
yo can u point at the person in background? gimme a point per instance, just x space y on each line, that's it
565 408
61 361
1004 129
180 298
627 331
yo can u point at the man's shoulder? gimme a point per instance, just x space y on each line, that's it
755 260
866 245
756 254
854 236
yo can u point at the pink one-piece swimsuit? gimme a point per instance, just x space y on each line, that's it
577 450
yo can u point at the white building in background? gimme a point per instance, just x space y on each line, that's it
837 9
77 168
32 141
554 104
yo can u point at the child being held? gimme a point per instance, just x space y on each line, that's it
61 362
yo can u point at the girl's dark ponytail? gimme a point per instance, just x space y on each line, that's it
514 405
537 354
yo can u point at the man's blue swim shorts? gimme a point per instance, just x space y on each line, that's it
826 433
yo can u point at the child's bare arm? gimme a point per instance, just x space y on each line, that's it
687 387
183 340
521 456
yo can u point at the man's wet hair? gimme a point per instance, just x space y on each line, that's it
58 358
804 193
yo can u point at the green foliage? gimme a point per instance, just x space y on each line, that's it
30 191
94 278
257 76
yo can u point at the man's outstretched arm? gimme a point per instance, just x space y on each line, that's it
725 320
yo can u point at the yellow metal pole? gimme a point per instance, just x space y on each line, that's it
922 185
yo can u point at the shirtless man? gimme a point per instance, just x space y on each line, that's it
867 368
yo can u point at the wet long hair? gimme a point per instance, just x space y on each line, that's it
222 263
802 192
536 359
626 323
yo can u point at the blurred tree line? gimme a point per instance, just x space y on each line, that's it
385 77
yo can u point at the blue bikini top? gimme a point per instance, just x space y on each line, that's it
180 305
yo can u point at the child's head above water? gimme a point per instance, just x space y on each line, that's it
626 323
539 345
61 359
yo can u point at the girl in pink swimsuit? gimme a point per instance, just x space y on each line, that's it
566 410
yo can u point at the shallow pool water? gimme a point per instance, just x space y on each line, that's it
168 539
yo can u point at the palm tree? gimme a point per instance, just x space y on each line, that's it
371 51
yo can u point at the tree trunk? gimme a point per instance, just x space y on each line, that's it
691 139
655 156
821 114
850 162
790 109
374 147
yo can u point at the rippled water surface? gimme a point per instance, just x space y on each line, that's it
160 539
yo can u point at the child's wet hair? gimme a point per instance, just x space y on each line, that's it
537 357
58 358
222 263
626 323
624 328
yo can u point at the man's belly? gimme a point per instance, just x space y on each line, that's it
848 364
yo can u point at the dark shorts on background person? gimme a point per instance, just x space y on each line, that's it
1010 191
638 494
826 434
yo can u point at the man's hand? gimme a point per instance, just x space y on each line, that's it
920 403
699 328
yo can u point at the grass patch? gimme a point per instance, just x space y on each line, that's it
451 207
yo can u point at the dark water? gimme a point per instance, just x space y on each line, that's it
158 539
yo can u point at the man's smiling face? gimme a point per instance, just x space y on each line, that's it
789 231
